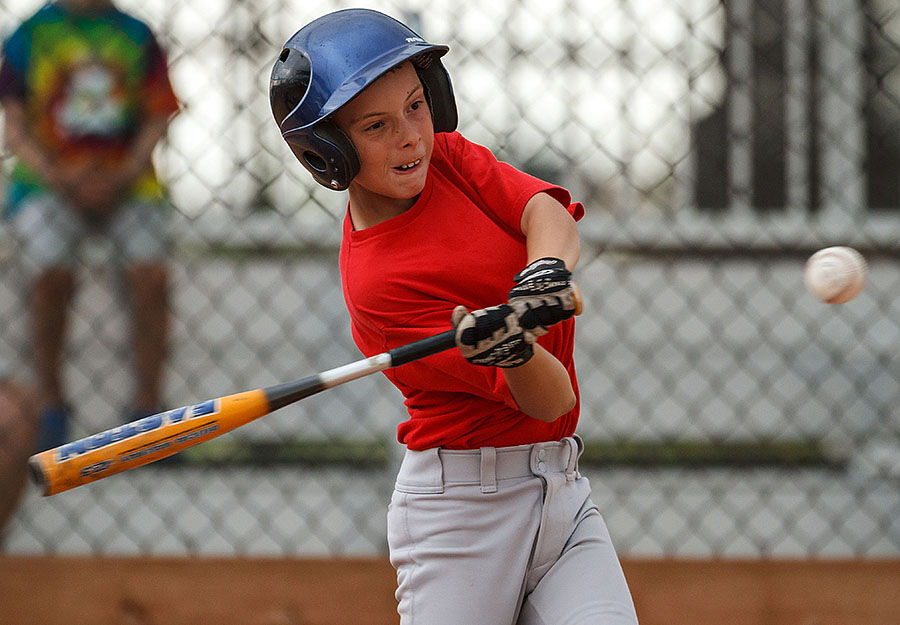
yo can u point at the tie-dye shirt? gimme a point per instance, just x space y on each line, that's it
86 82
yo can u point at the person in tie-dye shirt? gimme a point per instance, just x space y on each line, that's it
86 96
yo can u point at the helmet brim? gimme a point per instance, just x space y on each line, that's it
353 85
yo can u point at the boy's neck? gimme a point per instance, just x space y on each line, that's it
367 209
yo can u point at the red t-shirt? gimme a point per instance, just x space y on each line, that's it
403 277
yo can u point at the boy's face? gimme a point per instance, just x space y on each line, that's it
390 125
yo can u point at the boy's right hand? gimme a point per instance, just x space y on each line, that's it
542 278
543 296
491 337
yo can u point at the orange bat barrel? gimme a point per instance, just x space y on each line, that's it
144 441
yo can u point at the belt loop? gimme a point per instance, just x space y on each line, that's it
488 470
576 446
421 472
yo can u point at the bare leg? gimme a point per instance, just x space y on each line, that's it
18 430
149 287
50 300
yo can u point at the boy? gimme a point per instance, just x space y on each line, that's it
490 521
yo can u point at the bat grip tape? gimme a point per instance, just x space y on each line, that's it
422 348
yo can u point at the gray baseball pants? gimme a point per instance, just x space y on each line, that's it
503 536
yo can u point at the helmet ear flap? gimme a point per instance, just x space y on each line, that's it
441 100
327 153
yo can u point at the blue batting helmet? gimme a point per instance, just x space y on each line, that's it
328 62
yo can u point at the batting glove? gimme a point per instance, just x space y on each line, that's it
543 296
491 337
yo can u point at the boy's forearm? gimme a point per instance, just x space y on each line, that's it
541 387
550 231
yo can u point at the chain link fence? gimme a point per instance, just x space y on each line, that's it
715 145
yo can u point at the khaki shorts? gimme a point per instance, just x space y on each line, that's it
51 234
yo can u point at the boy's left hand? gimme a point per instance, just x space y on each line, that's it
491 337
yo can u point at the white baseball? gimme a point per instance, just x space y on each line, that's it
836 274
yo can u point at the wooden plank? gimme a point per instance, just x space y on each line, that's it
337 591
765 592
194 591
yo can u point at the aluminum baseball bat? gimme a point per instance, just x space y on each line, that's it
160 435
